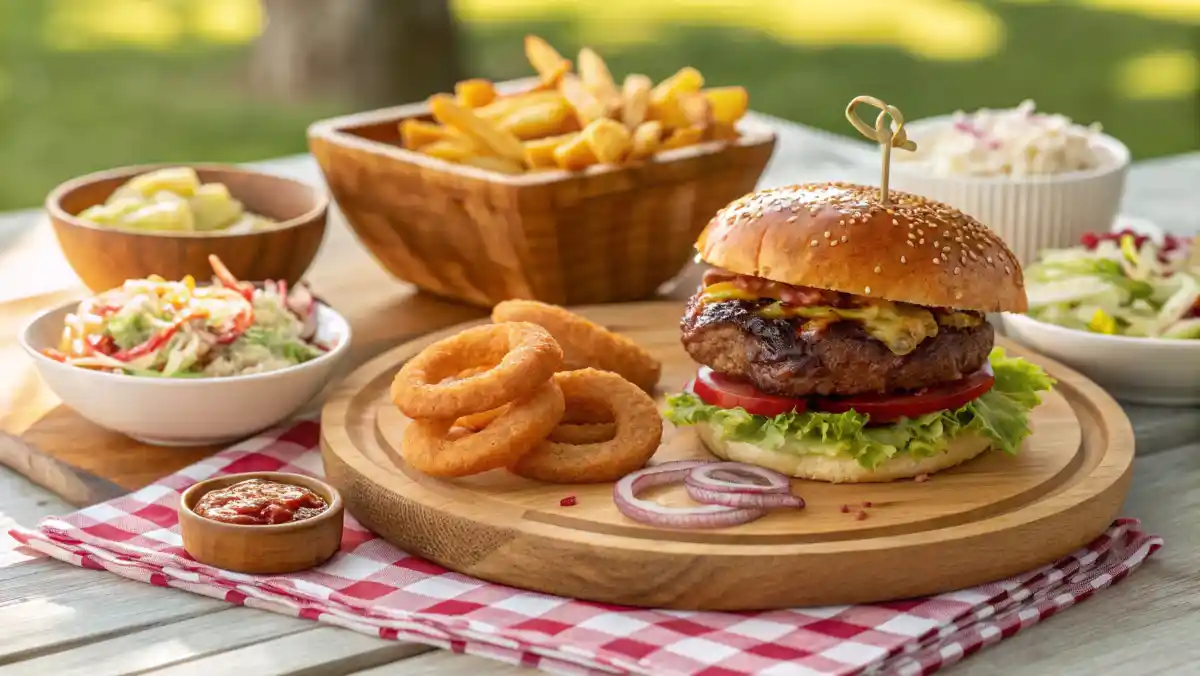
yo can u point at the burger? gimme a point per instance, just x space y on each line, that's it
843 338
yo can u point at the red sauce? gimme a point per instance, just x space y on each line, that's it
259 502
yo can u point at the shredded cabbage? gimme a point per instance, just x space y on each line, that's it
1117 288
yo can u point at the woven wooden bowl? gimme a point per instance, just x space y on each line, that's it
603 235
104 257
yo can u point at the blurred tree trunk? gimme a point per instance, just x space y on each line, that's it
372 52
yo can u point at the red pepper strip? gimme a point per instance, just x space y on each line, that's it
156 341
104 344
54 354
227 280
241 322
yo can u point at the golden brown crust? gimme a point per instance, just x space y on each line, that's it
839 236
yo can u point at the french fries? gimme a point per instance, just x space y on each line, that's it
646 139
572 120
635 99
596 78
502 143
549 64
475 93
609 140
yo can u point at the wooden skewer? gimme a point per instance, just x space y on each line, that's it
882 133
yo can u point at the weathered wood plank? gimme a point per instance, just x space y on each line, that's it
324 650
66 607
165 644
442 663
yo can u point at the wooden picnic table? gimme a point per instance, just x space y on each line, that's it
57 619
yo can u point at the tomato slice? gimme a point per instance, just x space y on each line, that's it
719 390
884 408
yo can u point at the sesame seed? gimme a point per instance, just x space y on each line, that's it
832 242
792 219
957 270
911 244
1007 271
945 248
920 232
989 259
937 243
904 259
867 289
842 222
814 243
957 295
911 236
912 226
895 222
937 261
878 269
946 233
844 238
921 241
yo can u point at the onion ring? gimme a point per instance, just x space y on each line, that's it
626 490
638 433
525 357
585 343
583 433
736 477
432 446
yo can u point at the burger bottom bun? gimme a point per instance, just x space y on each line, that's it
843 470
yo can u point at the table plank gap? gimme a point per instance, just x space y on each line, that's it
443 663
325 651
45 616
165 644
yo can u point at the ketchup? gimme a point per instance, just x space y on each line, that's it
259 502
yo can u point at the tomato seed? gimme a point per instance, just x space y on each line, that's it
568 501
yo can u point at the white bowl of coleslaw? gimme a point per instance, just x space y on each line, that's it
1039 181
159 399
1122 308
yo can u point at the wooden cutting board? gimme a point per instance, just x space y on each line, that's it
995 516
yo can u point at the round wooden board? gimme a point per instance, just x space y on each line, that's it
995 516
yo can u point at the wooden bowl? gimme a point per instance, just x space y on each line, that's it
104 257
602 235
262 550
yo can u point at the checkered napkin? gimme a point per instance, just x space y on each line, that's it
377 589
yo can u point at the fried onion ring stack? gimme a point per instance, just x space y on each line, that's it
556 399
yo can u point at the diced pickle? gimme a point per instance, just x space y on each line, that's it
213 208
173 216
182 181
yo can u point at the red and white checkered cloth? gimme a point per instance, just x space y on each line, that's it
372 587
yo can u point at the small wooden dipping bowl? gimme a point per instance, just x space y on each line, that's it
262 549
105 256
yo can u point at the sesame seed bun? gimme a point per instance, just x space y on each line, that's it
841 237
843 470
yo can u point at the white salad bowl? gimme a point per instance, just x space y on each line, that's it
1030 213
1155 371
184 411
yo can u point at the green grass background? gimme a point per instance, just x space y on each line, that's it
65 112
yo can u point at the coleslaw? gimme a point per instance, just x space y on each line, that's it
1120 284
158 328
1013 142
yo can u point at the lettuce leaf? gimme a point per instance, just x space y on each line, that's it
1001 414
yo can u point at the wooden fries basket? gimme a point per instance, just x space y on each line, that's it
605 234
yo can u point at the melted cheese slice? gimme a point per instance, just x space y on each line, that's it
899 326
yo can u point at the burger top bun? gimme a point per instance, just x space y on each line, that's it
841 237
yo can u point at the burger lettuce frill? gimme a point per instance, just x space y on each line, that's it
1001 414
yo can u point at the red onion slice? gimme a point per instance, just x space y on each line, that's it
737 477
746 500
625 494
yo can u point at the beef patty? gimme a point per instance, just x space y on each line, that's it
778 357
